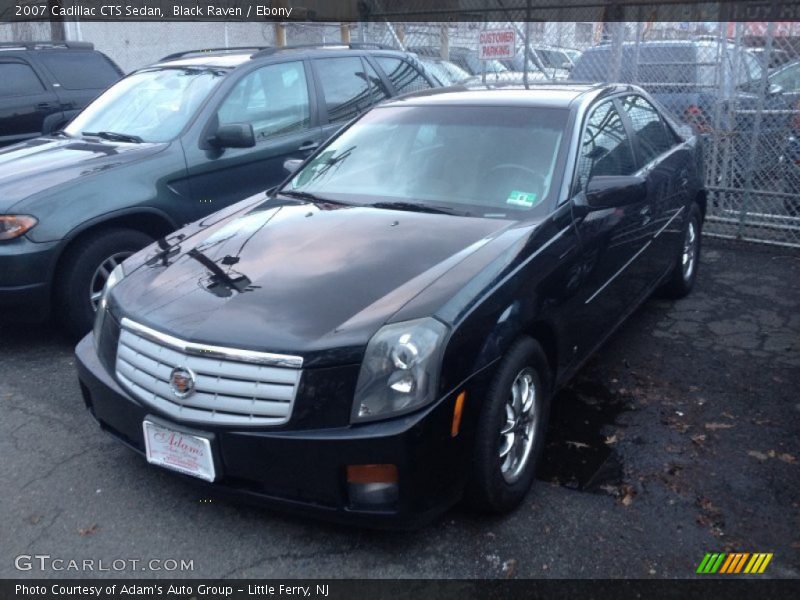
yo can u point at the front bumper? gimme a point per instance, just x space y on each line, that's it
304 471
25 268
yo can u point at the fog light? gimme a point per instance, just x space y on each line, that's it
372 486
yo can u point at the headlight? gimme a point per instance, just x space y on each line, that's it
400 372
13 226
117 275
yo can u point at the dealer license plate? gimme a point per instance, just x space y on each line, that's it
186 453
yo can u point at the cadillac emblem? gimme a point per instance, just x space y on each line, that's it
181 382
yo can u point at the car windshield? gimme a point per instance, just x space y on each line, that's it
152 105
490 161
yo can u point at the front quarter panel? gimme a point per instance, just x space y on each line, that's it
496 297
65 211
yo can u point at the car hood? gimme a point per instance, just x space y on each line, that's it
37 165
297 278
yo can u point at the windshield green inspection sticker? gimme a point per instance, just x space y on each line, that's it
525 199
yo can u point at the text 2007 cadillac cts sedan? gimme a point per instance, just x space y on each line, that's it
383 334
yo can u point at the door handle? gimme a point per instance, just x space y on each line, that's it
306 146
44 105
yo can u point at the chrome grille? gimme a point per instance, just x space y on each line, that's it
246 391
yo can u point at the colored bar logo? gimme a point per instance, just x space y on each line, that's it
735 562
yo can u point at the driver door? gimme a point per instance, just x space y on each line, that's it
613 273
276 100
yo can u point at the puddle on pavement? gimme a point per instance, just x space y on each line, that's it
576 455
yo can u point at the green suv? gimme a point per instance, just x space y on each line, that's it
167 145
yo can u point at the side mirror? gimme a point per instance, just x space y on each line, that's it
774 89
234 135
290 165
611 191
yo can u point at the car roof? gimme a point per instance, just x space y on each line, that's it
540 96
234 57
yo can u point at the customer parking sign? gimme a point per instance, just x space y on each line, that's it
497 44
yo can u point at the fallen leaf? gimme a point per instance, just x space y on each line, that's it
629 493
34 519
707 505
610 489
611 439
728 415
699 438
509 567
715 426
92 529
787 458
576 444
757 454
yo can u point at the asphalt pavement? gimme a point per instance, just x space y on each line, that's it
679 438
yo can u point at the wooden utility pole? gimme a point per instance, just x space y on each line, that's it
280 34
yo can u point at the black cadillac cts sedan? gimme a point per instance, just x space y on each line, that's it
382 335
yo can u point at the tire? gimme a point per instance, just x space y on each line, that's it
492 488
681 280
79 268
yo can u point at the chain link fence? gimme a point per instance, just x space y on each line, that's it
736 84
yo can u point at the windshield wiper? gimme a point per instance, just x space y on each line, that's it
115 137
414 207
311 197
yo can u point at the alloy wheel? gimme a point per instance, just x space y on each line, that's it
101 276
519 427
689 256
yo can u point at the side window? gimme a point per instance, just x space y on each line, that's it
404 77
653 138
79 70
605 146
19 80
377 88
345 85
273 99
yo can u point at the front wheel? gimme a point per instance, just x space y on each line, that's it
85 269
684 273
511 429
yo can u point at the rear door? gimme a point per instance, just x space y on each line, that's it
666 163
25 101
277 101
